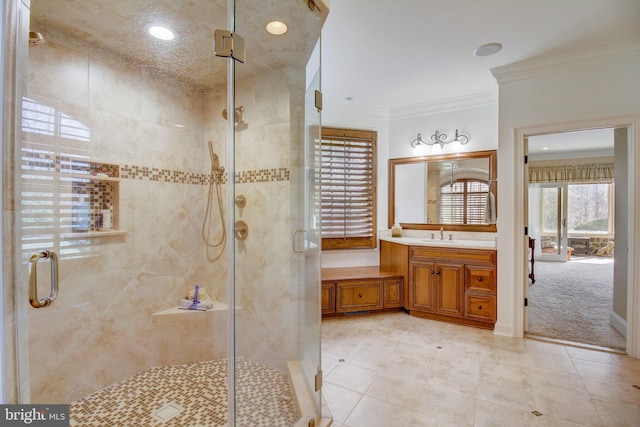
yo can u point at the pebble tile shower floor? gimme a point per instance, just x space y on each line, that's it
197 391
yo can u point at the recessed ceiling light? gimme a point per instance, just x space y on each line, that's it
162 33
545 148
488 49
276 28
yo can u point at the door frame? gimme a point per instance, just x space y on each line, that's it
632 123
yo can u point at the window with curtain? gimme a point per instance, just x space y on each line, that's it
348 192
590 196
463 202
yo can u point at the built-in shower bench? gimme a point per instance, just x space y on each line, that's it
187 336
359 290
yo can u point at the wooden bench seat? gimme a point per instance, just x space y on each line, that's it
351 290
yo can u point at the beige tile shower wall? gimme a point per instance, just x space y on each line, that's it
266 274
119 282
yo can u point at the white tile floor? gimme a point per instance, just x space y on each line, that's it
393 370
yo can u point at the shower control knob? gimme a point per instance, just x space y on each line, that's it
241 201
242 230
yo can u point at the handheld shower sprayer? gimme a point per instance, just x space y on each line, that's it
215 180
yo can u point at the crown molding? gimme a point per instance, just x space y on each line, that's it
356 111
532 68
442 106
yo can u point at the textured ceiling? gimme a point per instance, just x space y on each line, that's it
119 26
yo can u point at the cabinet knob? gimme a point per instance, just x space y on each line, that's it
438 272
360 295
479 279
479 307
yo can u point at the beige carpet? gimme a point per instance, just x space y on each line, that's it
572 301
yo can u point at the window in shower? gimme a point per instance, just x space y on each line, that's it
348 194
63 194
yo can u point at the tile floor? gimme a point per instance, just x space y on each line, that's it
191 395
393 370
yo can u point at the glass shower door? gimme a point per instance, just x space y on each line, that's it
109 170
276 266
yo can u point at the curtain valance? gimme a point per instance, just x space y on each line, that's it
592 172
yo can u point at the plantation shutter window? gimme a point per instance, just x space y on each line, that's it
348 195
463 202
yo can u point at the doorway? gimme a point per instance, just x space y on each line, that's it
571 206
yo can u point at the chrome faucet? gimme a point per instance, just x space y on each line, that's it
442 233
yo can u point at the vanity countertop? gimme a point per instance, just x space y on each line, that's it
455 243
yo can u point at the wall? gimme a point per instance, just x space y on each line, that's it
568 93
475 116
476 119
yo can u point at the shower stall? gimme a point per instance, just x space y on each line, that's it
126 184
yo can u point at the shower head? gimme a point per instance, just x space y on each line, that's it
237 115
35 38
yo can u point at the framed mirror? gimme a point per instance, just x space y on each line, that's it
457 191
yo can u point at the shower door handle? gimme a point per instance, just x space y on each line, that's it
33 279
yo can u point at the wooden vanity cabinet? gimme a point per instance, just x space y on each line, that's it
436 287
453 284
422 291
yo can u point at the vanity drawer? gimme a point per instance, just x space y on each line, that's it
481 307
356 295
480 279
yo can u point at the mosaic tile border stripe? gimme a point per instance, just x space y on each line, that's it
178 177
65 164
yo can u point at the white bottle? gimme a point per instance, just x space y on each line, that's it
396 230
106 220
80 219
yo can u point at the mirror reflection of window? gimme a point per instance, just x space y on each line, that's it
464 201
444 190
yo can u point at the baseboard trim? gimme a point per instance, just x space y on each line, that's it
503 329
618 323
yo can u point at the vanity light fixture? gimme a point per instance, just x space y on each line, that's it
440 139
